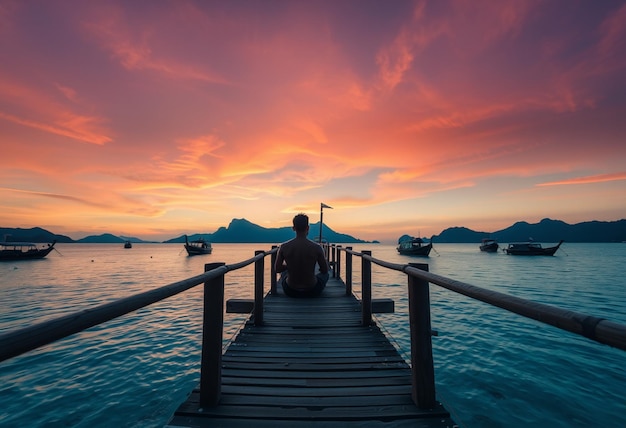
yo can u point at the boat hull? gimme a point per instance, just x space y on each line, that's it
531 250
489 246
198 247
19 254
193 251
424 250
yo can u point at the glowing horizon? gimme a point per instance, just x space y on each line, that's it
158 119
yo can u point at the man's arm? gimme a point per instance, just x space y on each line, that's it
280 265
321 261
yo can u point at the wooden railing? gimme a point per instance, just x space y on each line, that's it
20 341
598 329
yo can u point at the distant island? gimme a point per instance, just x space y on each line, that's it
238 231
546 230
243 231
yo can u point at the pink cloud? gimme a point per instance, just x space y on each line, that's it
137 47
78 128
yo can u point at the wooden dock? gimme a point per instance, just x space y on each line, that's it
312 363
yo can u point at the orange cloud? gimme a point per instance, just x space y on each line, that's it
602 178
79 128
38 110
57 196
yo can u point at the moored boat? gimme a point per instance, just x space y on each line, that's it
23 250
197 246
128 244
414 247
531 249
489 245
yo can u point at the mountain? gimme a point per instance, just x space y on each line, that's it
546 230
35 234
105 238
243 231
459 234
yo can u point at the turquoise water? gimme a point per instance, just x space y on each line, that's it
493 368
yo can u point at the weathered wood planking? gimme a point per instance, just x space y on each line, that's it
312 364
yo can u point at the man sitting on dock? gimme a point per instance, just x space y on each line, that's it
296 261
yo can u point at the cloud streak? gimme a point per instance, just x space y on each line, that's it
603 178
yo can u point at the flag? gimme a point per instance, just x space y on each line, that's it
326 206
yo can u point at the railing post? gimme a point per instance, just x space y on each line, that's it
338 263
273 281
366 288
333 263
348 271
259 270
422 366
212 333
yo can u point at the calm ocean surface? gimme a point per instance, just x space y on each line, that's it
493 368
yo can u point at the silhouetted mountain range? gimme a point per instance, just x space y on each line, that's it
238 231
243 231
107 238
546 230
35 234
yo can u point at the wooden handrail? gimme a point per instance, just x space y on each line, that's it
598 329
26 339
422 364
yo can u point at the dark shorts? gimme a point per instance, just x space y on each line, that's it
313 292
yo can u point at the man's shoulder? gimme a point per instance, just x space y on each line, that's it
300 242
288 243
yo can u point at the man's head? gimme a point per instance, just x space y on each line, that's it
301 223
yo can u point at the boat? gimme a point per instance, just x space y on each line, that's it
23 250
531 248
198 246
489 245
128 244
414 247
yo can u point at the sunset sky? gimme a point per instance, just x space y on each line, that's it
158 118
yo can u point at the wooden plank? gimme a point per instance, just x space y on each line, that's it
327 367
239 306
318 413
383 306
198 421
321 374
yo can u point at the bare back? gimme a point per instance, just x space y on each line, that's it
300 255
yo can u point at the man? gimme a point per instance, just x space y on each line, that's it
297 259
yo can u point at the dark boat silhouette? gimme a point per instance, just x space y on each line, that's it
23 250
531 249
197 246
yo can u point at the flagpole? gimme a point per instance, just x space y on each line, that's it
322 206
321 221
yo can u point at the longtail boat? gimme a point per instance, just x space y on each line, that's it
24 250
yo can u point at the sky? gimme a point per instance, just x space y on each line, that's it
153 119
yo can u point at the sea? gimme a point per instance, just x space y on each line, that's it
492 368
